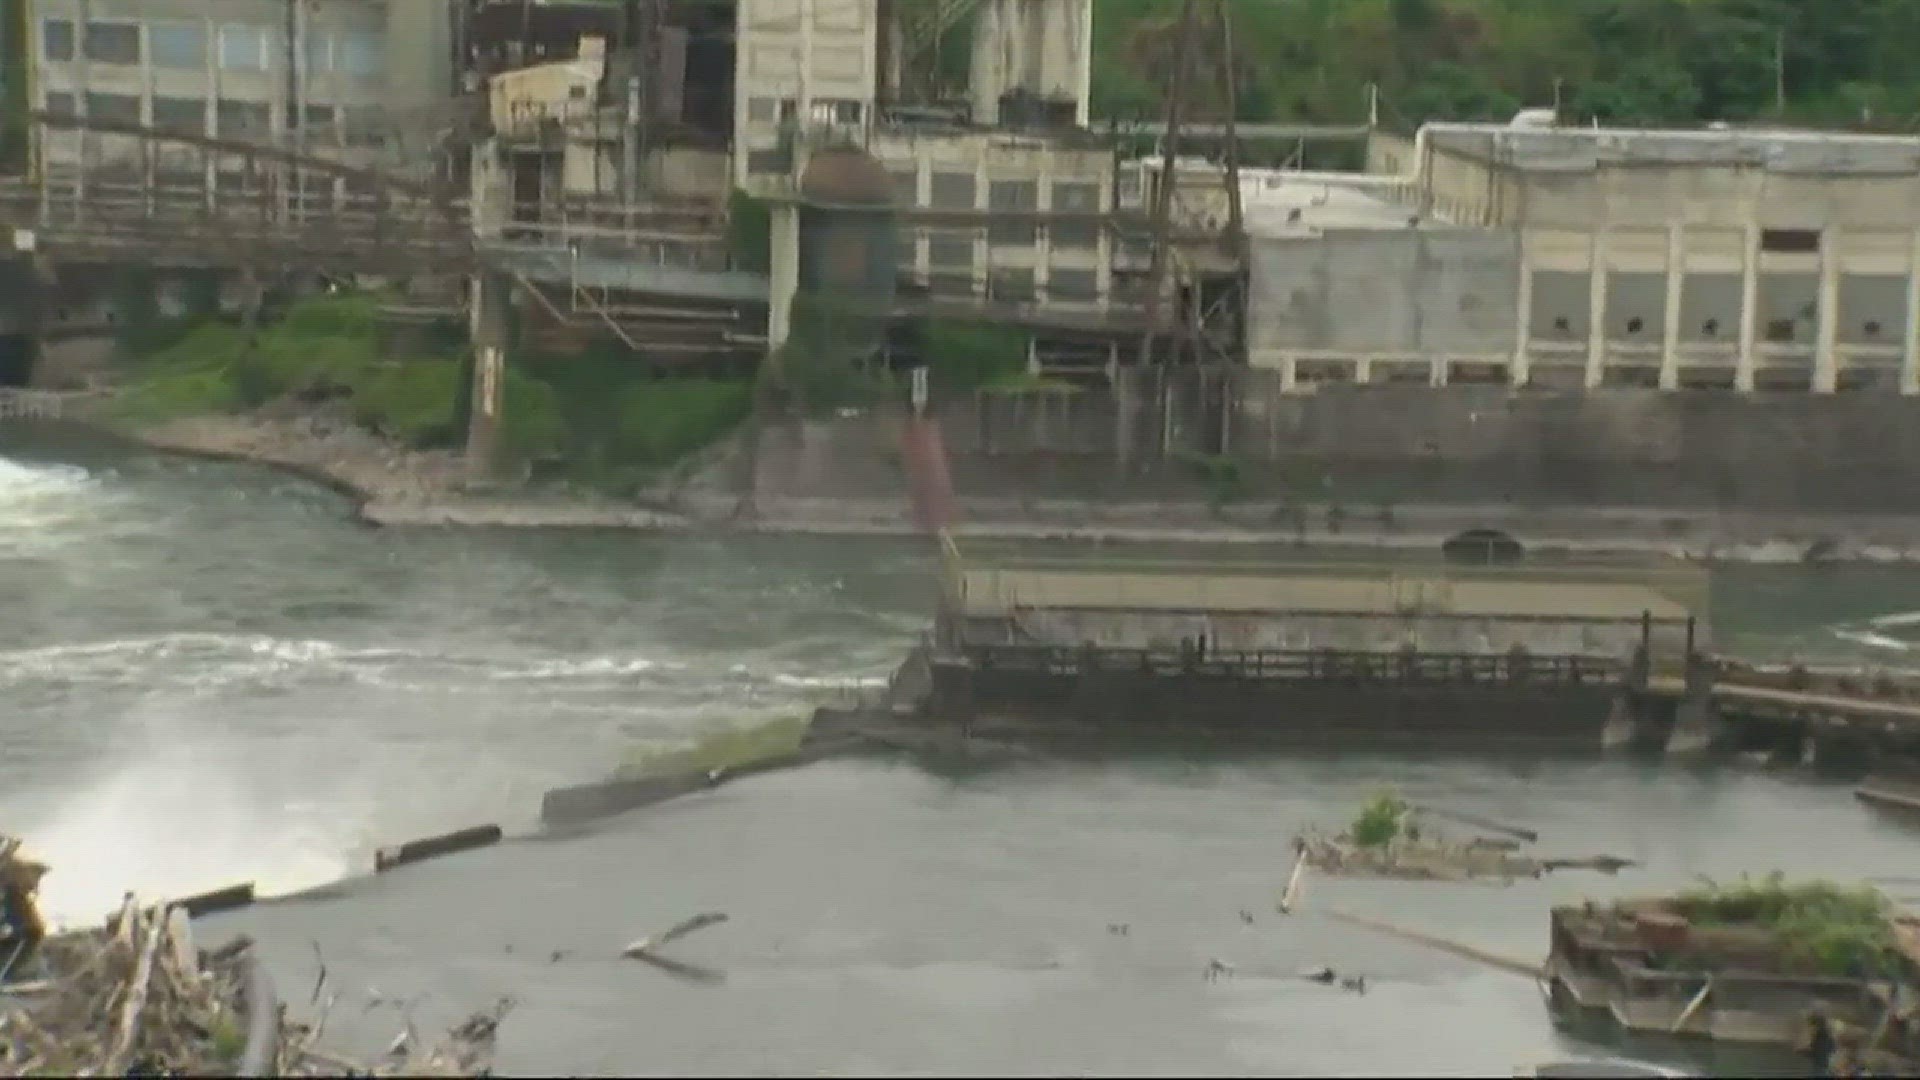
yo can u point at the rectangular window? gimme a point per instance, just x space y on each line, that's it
59 104
949 250
180 114
56 39
762 110
1013 196
113 43
1790 240
114 108
241 119
362 53
906 188
244 48
953 191
1073 284
1016 285
177 46
320 52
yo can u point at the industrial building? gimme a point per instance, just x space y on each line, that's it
1564 257
360 80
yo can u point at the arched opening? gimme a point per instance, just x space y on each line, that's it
1482 547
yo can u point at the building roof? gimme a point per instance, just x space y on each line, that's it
1284 204
1574 149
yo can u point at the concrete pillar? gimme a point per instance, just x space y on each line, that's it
785 283
1826 353
1518 372
1749 311
1910 363
491 293
1597 311
1670 334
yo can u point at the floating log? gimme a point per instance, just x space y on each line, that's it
434 846
1479 823
1467 952
214 901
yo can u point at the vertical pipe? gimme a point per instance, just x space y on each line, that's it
1690 632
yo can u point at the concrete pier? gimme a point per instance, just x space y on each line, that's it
1413 654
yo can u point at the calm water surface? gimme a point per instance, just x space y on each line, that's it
209 674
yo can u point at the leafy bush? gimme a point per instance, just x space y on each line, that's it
1820 926
665 420
969 356
416 402
1381 821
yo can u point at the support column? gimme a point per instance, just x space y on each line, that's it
1749 311
1910 362
490 329
1826 352
1597 310
1519 370
785 278
1676 281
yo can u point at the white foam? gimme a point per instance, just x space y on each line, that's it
1903 618
1874 640
170 821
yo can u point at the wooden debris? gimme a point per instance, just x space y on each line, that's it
643 949
135 997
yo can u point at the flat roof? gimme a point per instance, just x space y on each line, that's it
994 592
1575 149
1279 205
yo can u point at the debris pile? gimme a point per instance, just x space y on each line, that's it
136 997
1389 840
1830 970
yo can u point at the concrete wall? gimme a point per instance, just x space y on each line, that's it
1363 447
1415 292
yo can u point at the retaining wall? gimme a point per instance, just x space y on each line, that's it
1152 437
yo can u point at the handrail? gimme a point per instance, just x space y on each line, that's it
1399 666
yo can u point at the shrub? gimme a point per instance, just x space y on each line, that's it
663 421
1381 821
415 402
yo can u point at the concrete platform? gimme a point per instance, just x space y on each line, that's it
995 592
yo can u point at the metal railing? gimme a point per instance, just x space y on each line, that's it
1347 667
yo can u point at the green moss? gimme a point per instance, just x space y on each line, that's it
665 420
750 232
729 749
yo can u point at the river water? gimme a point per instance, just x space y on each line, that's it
209 673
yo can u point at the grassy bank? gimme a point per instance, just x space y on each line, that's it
590 411
596 416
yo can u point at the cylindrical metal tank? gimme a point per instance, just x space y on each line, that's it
848 233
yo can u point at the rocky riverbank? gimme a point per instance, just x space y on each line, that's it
394 486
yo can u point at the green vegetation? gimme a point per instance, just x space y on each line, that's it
750 232
1382 821
1626 61
731 749
1820 926
603 414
